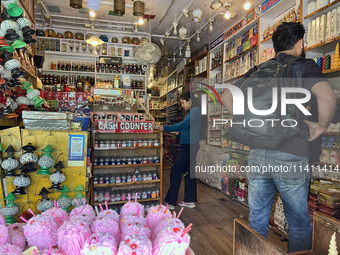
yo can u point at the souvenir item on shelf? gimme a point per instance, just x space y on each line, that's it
60 35
68 35
79 36
39 32
312 34
50 33
311 6
84 46
11 209
333 24
126 40
114 40
144 40
10 163
103 38
322 33
28 156
266 32
88 36
328 26
135 41
317 30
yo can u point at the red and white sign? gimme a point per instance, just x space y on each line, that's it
105 126
118 116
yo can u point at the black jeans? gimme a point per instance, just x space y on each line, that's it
184 164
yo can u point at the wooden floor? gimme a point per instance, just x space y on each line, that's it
212 219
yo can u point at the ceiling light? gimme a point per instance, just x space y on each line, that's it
185 12
197 14
182 33
175 24
138 8
76 4
93 5
94 40
188 50
215 4
119 7
246 5
227 14
141 21
162 41
198 39
136 29
151 84
167 33
211 28
174 58
169 63
92 14
180 51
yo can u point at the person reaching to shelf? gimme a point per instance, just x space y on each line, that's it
190 135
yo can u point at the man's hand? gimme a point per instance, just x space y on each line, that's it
161 127
175 133
314 130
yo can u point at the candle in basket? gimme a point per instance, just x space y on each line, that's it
336 58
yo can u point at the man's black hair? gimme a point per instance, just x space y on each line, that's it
287 35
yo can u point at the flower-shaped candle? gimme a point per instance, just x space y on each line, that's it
58 176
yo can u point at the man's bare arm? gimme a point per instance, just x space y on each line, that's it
227 101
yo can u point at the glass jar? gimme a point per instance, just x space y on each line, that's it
145 160
123 178
153 194
150 160
128 178
134 178
101 161
156 142
101 180
112 179
149 193
129 143
156 159
96 144
123 144
129 161
100 197
107 196
145 177
140 143
63 47
53 66
140 160
107 144
104 49
95 180
119 52
118 180
145 143
107 161
149 177
139 177
144 195
124 161
113 144
123 197
101 144
138 195
118 196
96 162
95 196
118 144
157 193
113 197
113 161
118 161
154 176
135 143
150 143
137 171
134 160
107 179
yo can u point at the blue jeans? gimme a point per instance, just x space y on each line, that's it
293 187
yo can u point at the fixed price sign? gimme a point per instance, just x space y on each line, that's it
95 116
104 126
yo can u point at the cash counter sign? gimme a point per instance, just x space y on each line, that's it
104 126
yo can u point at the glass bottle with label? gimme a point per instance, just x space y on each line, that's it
104 49
117 82
113 51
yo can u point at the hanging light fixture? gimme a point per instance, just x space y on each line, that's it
175 24
58 176
10 164
141 21
64 202
211 28
45 203
79 196
138 8
28 156
167 33
246 5
197 14
182 33
46 161
227 15
198 39
93 5
216 4
188 50
180 51
119 7
174 58
11 209
94 40
76 4
92 14
185 12
21 182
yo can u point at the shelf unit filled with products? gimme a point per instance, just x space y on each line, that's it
67 58
197 70
127 164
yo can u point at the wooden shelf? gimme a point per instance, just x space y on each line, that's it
325 164
124 183
132 165
234 78
322 10
10 123
171 105
128 148
331 133
70 72
330 148
81 54
239 55
28 72
29 14
324 179
159 117
269 38
202 74
216 67
331 70
124 202
324 47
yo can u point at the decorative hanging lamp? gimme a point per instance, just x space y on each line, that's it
21 182
28 156
11 209
64 201
138 8
58 176
182 33
216 4
95 40
197 15
45 203
119 7
11 163
76 4
79 196
46 161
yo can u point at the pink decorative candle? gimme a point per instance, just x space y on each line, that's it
102 244
16 235
137 229
4 238
131 207
9 249
106 225
135 245
56 212
156 215
41 230
169 223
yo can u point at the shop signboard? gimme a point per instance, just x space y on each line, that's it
233 30
116 116
268 4
105 126
250 16
216 42
257 12
110 60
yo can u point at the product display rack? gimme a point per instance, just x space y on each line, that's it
121 169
